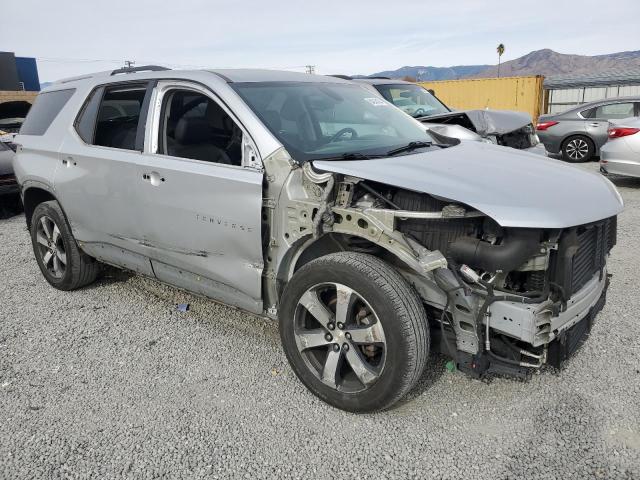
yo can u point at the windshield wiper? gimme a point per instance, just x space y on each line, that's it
410 146
415 145
351 156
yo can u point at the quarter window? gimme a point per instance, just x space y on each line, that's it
44 111
194 126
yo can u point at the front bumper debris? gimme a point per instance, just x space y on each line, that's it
535 324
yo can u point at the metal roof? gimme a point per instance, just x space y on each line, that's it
611 77
228 75
262 75
382 81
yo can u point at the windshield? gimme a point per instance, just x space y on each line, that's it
412 99
330 120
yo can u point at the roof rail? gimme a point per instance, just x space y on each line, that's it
343 77
144 68
379 78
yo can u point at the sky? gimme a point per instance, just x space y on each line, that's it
73 37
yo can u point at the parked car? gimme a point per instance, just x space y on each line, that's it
506 128
12 115
621 154
580 132
307 199
8 184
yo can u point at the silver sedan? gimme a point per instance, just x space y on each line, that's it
621 154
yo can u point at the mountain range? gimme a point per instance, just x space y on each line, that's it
539 62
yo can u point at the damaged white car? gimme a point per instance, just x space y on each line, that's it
309 200
501 127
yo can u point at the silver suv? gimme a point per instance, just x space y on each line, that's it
310 200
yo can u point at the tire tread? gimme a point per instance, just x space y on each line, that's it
406 302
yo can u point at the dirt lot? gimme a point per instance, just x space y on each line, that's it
113 381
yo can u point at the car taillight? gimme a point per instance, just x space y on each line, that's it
617 132
542 126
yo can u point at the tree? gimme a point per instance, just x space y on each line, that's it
500 50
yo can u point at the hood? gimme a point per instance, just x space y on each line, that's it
486 122
515 188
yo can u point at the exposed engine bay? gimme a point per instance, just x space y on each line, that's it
504 300
528 266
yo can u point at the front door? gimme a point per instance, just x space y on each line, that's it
199 202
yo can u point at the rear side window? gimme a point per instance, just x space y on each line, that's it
44 111
119 117
115 116
615 111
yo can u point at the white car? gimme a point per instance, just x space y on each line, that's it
621 154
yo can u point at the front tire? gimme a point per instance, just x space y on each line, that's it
354 331
578 149
61 262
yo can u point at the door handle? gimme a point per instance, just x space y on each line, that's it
594 124
69 161
153 178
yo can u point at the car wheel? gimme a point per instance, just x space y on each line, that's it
61 262
354 331
577 149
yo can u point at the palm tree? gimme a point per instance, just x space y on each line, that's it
500 50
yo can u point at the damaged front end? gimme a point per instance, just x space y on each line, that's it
500 299
505 128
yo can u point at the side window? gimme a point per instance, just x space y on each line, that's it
44 111
590 113
86 121
196 127
120 114
615 110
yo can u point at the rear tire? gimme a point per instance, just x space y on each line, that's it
376 356
61 261
578 148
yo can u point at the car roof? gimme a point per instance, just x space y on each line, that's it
240 75
382 81
604 101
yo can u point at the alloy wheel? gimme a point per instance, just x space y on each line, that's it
577 149
340 337
51 247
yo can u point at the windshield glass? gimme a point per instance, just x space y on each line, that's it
330 120
412 99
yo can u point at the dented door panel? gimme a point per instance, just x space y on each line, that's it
200 225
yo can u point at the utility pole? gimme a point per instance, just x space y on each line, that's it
311 69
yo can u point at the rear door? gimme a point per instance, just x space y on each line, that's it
95 180
597 123
201 197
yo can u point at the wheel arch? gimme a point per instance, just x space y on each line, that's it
310 249
569 136
32 196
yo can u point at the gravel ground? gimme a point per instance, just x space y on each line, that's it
112 381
